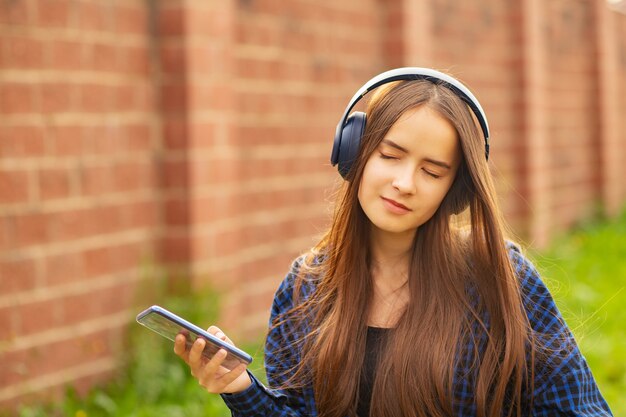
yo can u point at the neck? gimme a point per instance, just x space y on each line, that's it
390 256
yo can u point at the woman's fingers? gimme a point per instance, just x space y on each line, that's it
215 331
195 355
230 381
180 347
212 368
209 372
217 379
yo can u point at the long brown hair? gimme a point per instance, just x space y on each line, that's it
456 279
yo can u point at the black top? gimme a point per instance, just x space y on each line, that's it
376 338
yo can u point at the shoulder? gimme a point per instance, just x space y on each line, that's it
537 300
299 282
521 264
527 274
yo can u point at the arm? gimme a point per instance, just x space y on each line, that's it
563 382
282 354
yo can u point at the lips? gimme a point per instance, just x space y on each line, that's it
394 206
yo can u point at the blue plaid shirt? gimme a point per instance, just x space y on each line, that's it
564 384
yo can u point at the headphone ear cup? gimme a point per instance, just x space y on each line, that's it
350 142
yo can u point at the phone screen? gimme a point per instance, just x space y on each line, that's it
169 325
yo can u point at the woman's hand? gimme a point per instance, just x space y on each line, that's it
214 378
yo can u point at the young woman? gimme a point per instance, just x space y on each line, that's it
399 311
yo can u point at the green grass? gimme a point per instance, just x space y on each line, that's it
585 271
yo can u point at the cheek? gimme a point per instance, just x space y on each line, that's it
438 191
371 175
444 191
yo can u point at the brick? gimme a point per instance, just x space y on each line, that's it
175 130
133 176
93 16
17 275
131 18
38 316
57 97
68 140
102 56
175 174
207 135
63 268
96 261
18 98
273 265
110 219
53 13
127 97
215 171
139 137
174 96
8 330
118 217
111 259
54 183
172 58
170 20
259 201
95 180
214 22
176 211
16 13
145 215
21 141
20 52
254 236
69 225
115 298
106 140
14 186
21 230
67 55
95 98
175 249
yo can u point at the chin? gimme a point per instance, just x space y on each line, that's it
396 229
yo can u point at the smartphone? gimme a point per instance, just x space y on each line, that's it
169 325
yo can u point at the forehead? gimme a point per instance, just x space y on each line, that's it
422 130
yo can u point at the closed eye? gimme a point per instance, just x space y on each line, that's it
385 156
431 174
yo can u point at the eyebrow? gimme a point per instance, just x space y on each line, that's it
395 145
429 160
438 163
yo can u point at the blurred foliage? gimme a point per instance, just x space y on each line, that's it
154 381
585 270
586 273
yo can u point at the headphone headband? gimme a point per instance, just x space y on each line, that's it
406 74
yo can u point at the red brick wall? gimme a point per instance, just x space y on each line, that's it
79 197
573 123
195 136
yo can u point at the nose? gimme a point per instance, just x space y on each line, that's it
404 180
